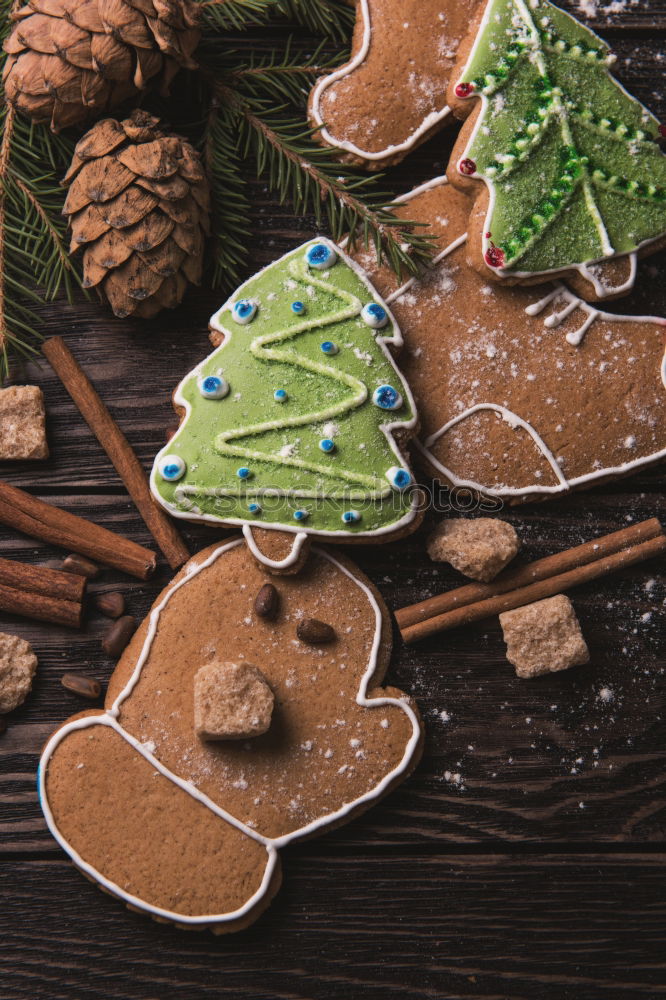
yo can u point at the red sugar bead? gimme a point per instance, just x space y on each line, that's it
494 256
464 89
467 167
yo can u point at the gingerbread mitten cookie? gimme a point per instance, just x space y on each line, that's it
391 95
564 165
297 423
245 713
522 392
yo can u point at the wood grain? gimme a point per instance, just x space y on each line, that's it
523 858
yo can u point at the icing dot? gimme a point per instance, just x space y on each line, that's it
387 398
351 516
464 89
301 515
494 256
280 396
328 347
254 508
327 445
298 307
467 167
243 311
213 387
243 472
399 478
374 315
171 468
320 256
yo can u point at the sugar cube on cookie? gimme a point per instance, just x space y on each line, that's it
232 701
480 547
17 668
544 637
22 423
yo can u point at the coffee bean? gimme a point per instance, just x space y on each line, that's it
85 687
119 635
267 601
314 632
112 605
80 566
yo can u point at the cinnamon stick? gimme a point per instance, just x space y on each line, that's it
40 580
118 448
535 591
40 606
513 579
42 520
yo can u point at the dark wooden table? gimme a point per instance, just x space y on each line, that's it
525 856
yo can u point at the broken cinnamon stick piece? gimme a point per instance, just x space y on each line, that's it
42 520
118 448
42 580
40 606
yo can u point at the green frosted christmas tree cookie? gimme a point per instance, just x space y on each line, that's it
298 420
572 168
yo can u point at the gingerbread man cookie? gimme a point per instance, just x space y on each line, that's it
522 392
152 799
391 95
298 422
565 166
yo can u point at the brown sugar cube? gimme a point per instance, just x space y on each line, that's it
22 423
479 548
232 701
17 668
544 637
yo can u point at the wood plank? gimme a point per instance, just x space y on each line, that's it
373 925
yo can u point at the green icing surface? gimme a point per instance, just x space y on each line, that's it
328 397
571 159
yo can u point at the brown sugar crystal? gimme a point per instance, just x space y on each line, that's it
22 423
17 668
232 701
544 637
478 547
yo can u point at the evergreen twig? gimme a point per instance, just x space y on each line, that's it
332 18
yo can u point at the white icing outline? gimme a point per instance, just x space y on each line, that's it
428 123
392 336
110 716
289 560
574 338
602 291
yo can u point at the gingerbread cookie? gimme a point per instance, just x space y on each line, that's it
391 95
298 421
573 176
187 829
522 392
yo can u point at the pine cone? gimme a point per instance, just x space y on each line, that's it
70 58
138 202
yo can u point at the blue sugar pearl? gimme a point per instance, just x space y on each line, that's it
374 315
243 311
301 515
298 307
320 256
399 478
328 347
327 445
351 517
213 387
243 472
172 468
280 396
387 398
254 508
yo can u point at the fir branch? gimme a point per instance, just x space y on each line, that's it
33 254
332 18
230 206
309 177
282 78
